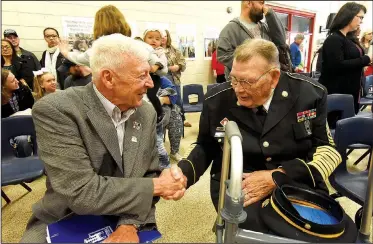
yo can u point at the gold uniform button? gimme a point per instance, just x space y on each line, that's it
265 144
269 159
285 94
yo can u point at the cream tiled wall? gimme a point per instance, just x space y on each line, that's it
29 18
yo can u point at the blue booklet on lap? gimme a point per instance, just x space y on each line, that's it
90 229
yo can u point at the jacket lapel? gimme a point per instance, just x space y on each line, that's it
245 115
283 100
132 140
103 124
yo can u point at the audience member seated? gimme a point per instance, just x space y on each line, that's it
30 62
15 95
282 119
80 75
52 58
44 83
98 143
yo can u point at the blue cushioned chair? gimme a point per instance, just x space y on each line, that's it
193 89
350 131
367 99
209 86
18 170
345 104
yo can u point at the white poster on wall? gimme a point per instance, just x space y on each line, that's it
78 31
210 37
186 35
134 28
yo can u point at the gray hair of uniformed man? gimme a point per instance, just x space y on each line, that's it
257 47
113 52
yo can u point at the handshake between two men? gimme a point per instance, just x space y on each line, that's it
170 185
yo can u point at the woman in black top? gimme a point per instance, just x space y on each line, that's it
15 95
10 60
343 59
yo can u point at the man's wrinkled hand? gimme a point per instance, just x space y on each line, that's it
123 234
257 185
171 184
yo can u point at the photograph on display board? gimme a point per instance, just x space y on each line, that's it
187 46
79 32
210 45
186 40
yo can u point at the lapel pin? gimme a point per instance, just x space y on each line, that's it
136 125
285 94
224 121
134 139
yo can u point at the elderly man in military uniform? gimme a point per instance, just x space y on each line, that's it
282 119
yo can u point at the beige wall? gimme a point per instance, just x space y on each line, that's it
30 18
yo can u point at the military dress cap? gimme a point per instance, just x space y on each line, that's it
297 212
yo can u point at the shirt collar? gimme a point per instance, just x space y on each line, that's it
268 102
110 108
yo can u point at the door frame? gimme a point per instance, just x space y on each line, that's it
294 12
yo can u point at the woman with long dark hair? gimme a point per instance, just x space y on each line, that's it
343 58
10 60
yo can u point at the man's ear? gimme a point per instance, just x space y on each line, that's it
106 77
275 74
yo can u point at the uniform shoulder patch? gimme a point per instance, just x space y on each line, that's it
306 79
218 89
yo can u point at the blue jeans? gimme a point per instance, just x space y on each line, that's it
164 161
179 101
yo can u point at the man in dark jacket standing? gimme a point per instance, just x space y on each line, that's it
29 60
249 25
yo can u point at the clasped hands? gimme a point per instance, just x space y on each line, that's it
171 184
257 185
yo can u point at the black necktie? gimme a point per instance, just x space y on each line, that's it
261 114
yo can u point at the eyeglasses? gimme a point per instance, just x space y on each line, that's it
51 36
361 17
245 83
6 47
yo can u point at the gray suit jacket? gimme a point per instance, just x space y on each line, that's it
86 174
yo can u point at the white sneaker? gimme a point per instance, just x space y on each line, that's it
177 157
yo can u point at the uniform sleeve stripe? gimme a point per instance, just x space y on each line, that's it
322 163
319 169
309 170
328 157
333 151
331 159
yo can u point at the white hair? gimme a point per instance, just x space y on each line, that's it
113 51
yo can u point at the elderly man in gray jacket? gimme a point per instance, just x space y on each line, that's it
98 143
249 25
